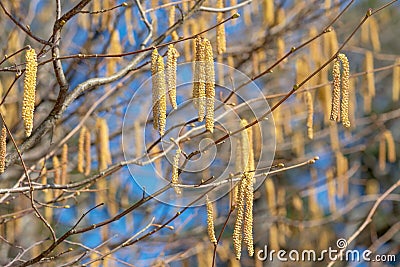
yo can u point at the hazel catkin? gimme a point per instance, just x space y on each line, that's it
210 86
28 104
3 149
170 73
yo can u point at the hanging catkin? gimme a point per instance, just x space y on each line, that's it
158 92
391 148
210 221
81 150
171 21
114 48
170 73
374 34
268 12
310 114
382 153
129 25
28 104
138 133
64 164
245 195
175 171
155 91
330 43
396 81
237 231
88 155
341 85
3 148
331 185
221 38
345 90
336 91
199 76
210 86
369 68
48 211
103 146
56 168
57 176
249 196
162 106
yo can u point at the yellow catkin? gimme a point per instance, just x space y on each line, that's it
312 198
341 86
333 43
170 73
345 90
56 168
247 15
221 38
115 48
243 197
3 149
280 47
391 146
274 237
199 78
282 212
341 169
269 12
81 150
237 230
369 68
335 116
129 25
88 155
103 146
298 143
249 195
315 47
331 187
106 16
171 21
364 32
64 164
372 187
138 133
271 196
162 105
297 204
374 34
396 81
28 104
210 221
210 86
310 114
57 176
382 153
155 92
96 7
175 171
334 136
48 195
302 69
